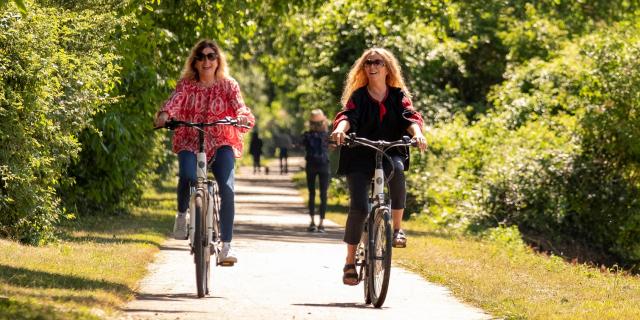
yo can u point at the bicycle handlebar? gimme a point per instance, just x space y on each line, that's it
381 145
172 124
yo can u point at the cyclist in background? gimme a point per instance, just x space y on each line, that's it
376 106
206 93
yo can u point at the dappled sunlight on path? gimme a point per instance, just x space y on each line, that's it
283 271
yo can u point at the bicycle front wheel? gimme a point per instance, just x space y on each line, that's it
200 251
380 257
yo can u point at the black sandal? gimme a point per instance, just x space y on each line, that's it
350 274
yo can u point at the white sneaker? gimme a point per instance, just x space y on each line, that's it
180 226
227 256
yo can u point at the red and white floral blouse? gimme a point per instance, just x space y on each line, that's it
194 103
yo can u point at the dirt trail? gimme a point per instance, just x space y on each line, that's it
283 272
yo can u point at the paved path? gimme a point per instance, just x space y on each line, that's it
283 272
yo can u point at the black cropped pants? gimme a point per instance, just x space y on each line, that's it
359 188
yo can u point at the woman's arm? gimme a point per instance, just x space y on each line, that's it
171 106
243 113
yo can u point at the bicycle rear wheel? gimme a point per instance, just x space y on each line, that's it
380 257
201 250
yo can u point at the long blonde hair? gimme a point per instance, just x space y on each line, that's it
357 77
189 70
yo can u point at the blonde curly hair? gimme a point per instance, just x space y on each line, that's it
357 77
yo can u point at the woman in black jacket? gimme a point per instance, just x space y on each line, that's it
376 106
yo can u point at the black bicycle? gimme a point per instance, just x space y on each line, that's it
204 226
373 254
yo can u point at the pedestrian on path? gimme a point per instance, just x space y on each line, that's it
376 105
255 148
206 93
283 143
315 142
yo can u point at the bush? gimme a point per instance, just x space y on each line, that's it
557 156
55 74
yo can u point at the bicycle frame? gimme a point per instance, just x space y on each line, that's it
374 257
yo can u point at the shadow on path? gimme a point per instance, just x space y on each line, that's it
173 297
156 311
336 305
286 233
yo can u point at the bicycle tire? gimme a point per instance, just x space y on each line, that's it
215 219
363 273
216 214
199 247
380 257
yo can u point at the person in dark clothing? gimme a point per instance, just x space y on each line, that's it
376 106
283 142
315 142
255 148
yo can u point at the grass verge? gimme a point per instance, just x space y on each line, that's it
91 271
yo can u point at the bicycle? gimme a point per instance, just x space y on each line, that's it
204 229
373 254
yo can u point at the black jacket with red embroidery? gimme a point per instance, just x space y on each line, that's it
387 120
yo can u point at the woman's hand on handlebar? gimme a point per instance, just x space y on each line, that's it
421 141
161 119
338 135
242 121
416 132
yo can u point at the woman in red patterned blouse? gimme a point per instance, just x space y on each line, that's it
206 93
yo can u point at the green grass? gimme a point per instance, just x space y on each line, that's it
509 280
91 271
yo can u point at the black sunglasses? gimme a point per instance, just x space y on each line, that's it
376 62
210 56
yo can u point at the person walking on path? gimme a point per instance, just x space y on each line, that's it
315 142
206 93
376 105
255 148
283 143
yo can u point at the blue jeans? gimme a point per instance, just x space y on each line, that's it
222 165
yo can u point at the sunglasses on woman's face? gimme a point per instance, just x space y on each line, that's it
317 123
210 56
374 62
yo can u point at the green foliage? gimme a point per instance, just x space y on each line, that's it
557 155
55 75
532 106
